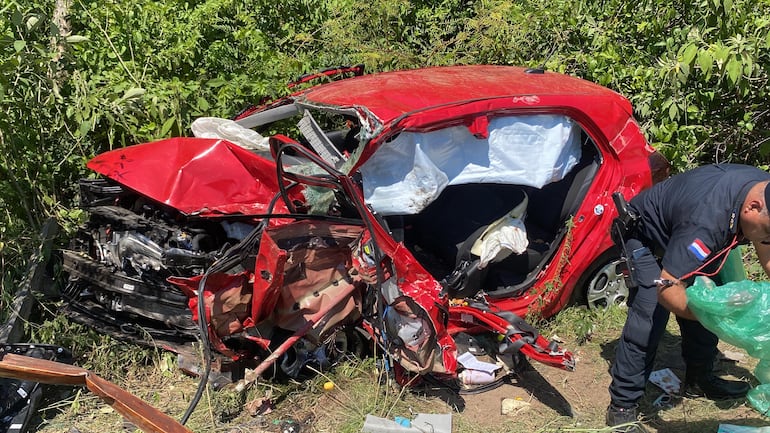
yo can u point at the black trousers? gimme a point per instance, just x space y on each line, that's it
645 324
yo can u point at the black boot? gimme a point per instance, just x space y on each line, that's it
700 381
624 420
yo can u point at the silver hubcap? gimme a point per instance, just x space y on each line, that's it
607 287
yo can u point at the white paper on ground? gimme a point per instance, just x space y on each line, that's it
471 363
666 380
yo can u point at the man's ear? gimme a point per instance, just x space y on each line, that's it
754 205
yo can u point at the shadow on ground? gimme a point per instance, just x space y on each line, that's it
526 377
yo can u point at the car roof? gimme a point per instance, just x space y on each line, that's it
391 95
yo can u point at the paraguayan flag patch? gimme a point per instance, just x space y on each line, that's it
700 250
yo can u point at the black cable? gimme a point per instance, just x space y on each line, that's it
234 255
204 331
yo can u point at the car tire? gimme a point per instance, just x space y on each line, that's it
604 285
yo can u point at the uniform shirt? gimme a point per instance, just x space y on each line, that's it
694 215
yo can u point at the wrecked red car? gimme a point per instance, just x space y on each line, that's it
429 211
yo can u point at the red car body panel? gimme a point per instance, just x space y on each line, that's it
433 95
430 98
225 178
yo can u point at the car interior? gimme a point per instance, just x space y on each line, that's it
440 235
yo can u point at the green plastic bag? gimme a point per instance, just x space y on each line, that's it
738 312
759 398
762 371
733 269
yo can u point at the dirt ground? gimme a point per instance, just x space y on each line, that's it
576 401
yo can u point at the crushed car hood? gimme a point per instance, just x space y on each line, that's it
195 175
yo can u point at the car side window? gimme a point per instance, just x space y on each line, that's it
409 172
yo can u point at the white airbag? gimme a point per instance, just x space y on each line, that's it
408 173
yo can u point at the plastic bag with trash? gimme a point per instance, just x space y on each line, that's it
737 312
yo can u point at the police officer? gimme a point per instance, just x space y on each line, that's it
686 226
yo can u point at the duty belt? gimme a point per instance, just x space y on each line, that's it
622 225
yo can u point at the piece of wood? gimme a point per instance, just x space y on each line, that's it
131 407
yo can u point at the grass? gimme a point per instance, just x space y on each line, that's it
361 388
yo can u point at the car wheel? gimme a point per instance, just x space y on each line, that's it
607 286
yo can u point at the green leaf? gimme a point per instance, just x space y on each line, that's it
16 18
132 93
684 72
167 126
203 104
19 45
688 55
705 61
764 148
216 82
721 52
733 69
85 126
748 64
75 39
673 112
31 22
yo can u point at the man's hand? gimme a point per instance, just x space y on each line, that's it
672 295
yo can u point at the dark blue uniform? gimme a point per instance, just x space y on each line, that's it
687 224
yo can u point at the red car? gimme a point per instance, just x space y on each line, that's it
434 207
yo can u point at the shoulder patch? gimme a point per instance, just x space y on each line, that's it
700 250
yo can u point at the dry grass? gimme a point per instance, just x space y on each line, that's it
557 401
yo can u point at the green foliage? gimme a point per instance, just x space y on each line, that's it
695 72
38 149
578 323
96 351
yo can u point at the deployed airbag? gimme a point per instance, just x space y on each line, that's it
409 172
